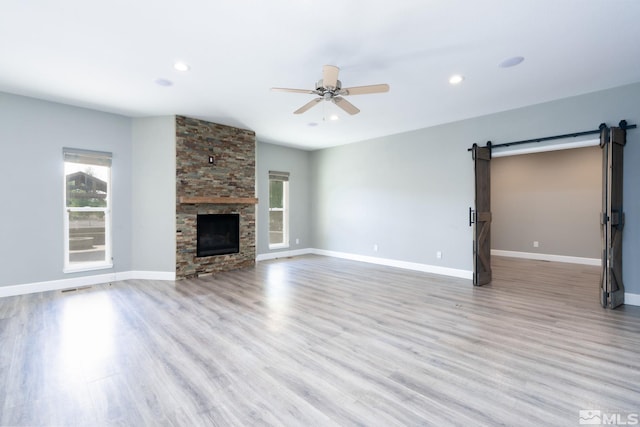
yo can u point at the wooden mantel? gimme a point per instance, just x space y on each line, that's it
219 200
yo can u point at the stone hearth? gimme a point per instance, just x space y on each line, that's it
226 186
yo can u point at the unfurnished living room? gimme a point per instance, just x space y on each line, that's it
296 213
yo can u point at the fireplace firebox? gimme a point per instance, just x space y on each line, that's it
218 234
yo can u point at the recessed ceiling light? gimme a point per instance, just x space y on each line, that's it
181 66
511 62
456 79
163 82
312 124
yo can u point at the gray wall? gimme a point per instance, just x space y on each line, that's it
553 198
296 162
407 193
32 134
154 194
410 193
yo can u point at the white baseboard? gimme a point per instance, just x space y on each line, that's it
547 257
631 299
283 254
53 285
77 282
425 268
151 275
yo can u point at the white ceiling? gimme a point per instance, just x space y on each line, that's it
107 55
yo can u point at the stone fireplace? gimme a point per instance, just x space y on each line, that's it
215 174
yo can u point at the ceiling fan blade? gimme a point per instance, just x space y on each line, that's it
284 89
307 106
330 76
362 90
345 105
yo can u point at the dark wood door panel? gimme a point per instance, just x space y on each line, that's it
482 223
612 142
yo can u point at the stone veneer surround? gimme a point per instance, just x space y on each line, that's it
231 175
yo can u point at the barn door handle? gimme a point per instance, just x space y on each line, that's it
471 217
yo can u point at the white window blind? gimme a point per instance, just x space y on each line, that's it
87 157
279 176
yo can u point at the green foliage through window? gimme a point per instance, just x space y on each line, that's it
275 194
85 190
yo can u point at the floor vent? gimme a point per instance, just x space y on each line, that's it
81 288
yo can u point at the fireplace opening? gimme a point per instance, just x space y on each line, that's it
218 234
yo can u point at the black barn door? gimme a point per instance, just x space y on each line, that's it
481 218
612 142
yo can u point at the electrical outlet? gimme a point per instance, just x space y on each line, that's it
536 244
375 247
439 254
297 241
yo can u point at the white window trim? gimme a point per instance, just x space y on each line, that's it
88 266
285 218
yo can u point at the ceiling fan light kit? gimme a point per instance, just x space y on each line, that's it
329 88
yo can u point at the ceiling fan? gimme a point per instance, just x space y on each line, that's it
330 89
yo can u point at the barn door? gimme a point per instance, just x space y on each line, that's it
612 142
481 218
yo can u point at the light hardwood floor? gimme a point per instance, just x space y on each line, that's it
315 341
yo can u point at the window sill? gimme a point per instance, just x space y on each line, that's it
87 267
279 246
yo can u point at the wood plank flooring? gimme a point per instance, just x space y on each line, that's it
318 341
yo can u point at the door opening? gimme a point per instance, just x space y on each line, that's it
611 218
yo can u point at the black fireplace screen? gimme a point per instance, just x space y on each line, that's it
218 234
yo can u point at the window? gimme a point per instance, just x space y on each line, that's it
87 210
278 210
